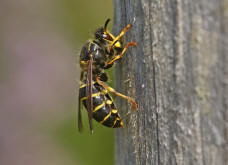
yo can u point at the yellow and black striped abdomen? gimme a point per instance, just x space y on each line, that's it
104 110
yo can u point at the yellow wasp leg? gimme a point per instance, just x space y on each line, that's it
122 53
117 38
110 89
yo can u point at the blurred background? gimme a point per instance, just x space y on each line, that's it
40 42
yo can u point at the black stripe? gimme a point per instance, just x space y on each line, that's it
100 114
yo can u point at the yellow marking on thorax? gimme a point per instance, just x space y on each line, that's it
99 106
114 110
118 44
109 102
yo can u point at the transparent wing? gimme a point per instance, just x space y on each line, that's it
89 92
80 125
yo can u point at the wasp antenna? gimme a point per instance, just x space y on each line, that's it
106 23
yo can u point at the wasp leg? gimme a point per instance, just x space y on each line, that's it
122 53
117 38
110 89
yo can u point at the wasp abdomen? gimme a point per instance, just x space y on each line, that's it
104 110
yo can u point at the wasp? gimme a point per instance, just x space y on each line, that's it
96 56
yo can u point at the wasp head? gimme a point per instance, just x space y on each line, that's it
104 36
102 33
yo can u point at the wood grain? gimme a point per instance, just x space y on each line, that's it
178 75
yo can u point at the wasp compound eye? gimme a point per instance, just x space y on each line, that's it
99 33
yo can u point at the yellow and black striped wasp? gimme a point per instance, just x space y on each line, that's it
96 56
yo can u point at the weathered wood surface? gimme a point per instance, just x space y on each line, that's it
179 77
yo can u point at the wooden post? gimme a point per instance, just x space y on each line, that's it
178 75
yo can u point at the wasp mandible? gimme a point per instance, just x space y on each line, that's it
96 56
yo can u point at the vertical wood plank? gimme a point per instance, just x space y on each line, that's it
178 75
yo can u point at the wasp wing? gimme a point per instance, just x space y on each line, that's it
80 125
89 92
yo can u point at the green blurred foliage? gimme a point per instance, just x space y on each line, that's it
96 149
82 17
79 19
